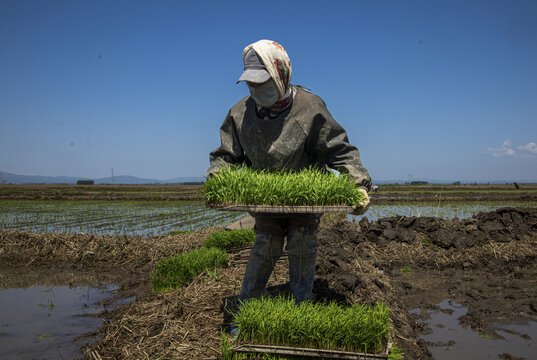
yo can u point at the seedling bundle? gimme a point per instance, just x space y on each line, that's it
179 270
278 326
307 190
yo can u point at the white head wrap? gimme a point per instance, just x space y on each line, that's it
276 61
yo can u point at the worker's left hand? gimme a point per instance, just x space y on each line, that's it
360 210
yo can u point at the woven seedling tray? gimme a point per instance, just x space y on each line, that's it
311 353
282 209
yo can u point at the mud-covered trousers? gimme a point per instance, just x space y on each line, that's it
301 247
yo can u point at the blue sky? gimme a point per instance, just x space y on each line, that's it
434 89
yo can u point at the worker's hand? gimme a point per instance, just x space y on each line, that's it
212 172
360 210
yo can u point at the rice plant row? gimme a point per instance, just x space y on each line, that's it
123 218
311 186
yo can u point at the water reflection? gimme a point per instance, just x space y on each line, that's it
443 210
448 340
43 321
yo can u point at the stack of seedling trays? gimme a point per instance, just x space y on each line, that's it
276 328
260 191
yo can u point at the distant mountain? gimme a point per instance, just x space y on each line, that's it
126 180
185 179
9 178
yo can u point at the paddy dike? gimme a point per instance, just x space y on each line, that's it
183 192
486 263
452 194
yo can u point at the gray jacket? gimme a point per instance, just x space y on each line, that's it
303 135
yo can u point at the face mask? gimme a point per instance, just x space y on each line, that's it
265 95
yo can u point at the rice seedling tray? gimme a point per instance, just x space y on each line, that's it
305 191
283 209
308 352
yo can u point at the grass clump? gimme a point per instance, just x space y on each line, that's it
179 270
230 239
358 328
311 186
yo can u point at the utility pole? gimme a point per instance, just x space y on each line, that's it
112 175
409 179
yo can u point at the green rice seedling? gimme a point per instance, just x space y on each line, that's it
311 186
230 239
396 353
357 328
176 232
179 270
227 353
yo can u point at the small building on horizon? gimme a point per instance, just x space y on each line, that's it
84 182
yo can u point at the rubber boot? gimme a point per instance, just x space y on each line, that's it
265 253
302 251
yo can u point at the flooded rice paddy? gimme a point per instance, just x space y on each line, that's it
123 218
45 315
447 339
444 210
147 218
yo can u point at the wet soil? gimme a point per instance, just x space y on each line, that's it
486 263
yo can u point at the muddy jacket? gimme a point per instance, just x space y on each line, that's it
301 136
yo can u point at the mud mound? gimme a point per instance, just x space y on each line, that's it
502 225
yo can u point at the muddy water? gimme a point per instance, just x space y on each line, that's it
444 210
446 339
45 314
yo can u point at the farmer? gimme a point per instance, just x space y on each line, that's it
283 126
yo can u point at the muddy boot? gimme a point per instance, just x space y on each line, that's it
302 251
265 253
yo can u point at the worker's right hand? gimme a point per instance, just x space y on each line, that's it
360 210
